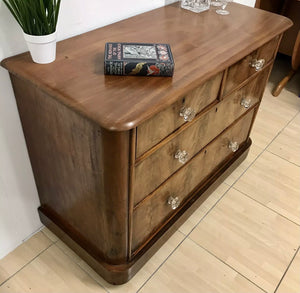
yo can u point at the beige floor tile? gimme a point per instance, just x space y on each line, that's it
249 237
24 253
69 252
252 155
52 271
194 219
286 100
49 234
266 127
192 269
287 144
273 116
275 183
291 281
141 277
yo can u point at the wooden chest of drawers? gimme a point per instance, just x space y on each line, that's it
120 162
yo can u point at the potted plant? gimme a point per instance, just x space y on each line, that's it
38 19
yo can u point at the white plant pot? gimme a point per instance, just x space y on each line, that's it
42 48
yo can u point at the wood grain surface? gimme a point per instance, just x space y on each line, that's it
76 165
165 122
160 164
202 45
242 70
151 212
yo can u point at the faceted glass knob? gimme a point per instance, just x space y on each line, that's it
182 156
233 146
257 64
174 202
188 114
246 102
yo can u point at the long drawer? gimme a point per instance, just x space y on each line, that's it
162 124
250 64
162 163
150 214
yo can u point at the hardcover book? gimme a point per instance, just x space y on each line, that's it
138 59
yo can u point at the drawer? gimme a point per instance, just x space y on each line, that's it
252 92
162 124
161 164
243 69
154 211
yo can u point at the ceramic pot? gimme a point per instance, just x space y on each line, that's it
42 48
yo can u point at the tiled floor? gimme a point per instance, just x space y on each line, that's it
244 238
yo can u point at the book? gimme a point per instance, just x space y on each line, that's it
139 59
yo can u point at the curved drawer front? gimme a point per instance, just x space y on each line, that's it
151 214
162 124
252 63
161 164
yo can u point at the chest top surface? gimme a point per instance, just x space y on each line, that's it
202 45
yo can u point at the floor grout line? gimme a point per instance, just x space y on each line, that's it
77 264
265 206
264 149
282 158
186 236
48 236
286 270
230 186
181 232
157 269
226 264
1 284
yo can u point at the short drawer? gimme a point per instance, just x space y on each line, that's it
162 124
151 214
161 164
243 69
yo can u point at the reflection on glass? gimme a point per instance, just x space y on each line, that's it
222 11
195 5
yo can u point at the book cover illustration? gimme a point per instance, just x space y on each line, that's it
138 59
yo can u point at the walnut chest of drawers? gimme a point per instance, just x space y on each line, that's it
120 161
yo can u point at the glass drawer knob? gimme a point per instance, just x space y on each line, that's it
246 102
182 156
174 202
233 146
257 64
188 114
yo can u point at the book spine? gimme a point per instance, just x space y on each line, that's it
114 67
120 67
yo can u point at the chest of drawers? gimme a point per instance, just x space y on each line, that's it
120 162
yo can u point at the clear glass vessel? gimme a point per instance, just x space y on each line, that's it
195 5
222 11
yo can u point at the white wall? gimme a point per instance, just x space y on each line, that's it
18 195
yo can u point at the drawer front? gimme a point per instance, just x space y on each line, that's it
161 164
151 214
162 124
243 69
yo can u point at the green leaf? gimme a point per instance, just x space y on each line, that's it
36 17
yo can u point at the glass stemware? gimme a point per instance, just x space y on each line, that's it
222 11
